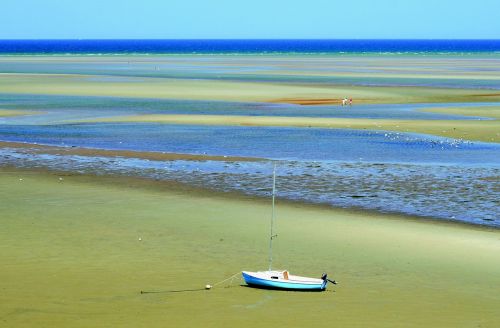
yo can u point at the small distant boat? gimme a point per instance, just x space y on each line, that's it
282 279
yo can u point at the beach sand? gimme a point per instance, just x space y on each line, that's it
76 251
10 113
290 91
483 111
296 79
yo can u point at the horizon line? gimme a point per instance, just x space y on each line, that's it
249 39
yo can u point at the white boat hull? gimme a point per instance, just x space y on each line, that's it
282 280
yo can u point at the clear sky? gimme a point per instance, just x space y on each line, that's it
258 19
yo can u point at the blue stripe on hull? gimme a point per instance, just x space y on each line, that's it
264 283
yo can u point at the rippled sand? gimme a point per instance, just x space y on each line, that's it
466 193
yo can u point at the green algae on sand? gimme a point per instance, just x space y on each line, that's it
77 250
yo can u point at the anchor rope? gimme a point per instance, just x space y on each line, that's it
191 290
231 277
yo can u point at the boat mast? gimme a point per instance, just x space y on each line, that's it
272 221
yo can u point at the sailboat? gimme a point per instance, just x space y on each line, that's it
282 279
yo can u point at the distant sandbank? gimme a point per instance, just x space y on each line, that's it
479 130
293 92
10 112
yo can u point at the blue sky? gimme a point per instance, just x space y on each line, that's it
209 19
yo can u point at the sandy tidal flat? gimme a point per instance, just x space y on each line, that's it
77 250
480 130
9 113
212 88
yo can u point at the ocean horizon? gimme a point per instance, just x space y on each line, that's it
247 46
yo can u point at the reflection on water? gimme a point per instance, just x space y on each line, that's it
468 193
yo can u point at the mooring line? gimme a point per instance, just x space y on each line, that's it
171 291
207 287
231 277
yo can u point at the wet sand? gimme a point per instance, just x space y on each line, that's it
295 79
71 256
484 111
444 66
10 113
156 156
272 79
479 130
77 250
294 92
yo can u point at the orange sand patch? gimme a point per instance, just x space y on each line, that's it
315 101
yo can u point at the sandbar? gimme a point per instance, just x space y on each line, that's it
483 111
478 130
238 91
156 156
11 112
